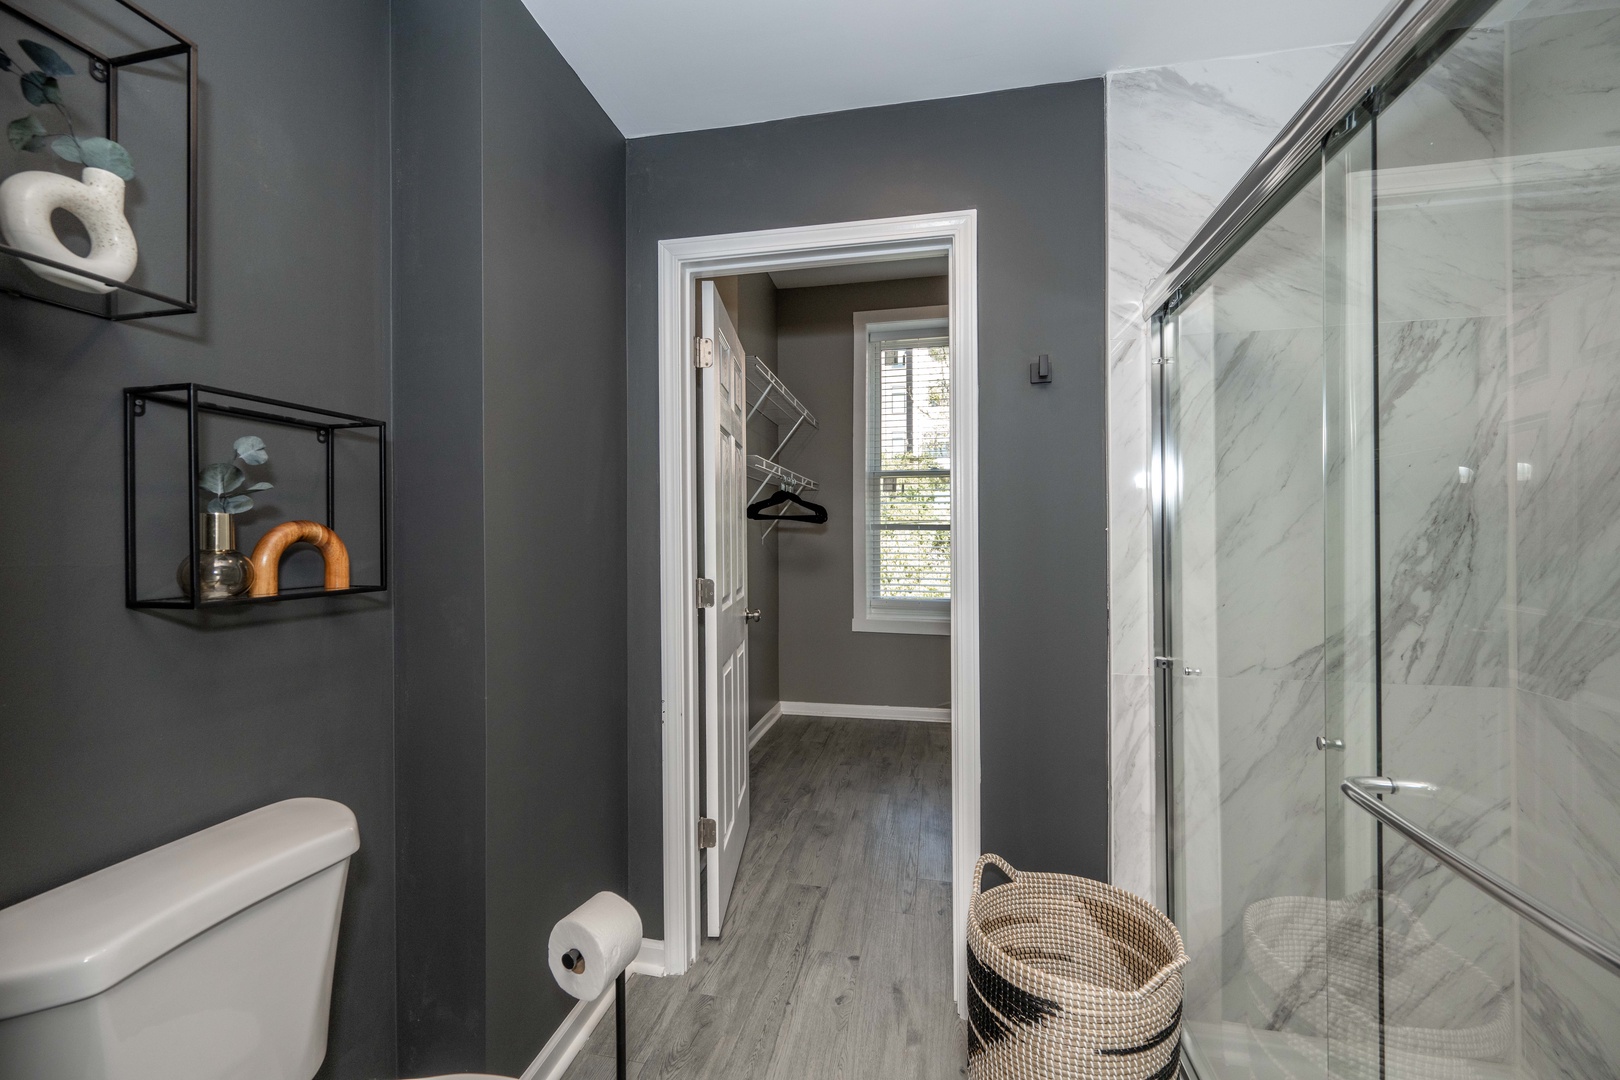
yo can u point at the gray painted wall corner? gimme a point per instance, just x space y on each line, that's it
554 517
439 565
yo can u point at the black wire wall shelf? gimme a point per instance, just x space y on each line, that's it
137 78
344 460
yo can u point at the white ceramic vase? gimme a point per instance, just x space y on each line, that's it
27 201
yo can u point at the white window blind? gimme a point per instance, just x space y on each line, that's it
908 470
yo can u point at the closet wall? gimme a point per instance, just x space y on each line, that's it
822 658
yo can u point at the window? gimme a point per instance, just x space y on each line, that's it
902 507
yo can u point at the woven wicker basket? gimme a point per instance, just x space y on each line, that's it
1070 979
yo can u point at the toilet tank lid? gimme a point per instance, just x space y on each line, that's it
88 935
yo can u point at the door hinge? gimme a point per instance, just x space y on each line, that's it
708 832
1161 361
705 352
1162 661
705 592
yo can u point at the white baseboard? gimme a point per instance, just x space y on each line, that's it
650 960
569 1038
575 1030
918 713
757 732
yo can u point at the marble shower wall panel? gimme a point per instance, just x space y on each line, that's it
1569 809
1444 488
1564 76
1566 452
1269 392
1271 819
1179 138
1453 113
1571 1013
1197 798
1268 484
1569 825
1460 739
1196 411
1446 483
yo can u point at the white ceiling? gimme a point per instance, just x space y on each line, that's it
681 65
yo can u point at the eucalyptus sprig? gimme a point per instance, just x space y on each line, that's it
40 87
220 479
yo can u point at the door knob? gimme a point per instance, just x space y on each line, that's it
1325 743
753 614
1192 671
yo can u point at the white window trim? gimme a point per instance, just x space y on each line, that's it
925 616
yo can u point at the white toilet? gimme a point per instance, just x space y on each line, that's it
207 959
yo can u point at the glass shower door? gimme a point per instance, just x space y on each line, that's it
1390 429
1498 267
1353 914
1243 497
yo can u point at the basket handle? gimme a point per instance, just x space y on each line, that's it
1163 974
994 860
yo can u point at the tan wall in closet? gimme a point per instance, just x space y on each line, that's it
822 659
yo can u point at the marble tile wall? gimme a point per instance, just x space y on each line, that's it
1563 63
1179 138
1444 486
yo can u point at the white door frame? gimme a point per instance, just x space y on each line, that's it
681 263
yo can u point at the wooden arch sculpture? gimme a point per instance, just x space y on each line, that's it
273 544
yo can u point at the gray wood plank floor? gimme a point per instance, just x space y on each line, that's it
836 955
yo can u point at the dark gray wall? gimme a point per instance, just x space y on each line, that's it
509 390
756 325
126 729
439 526
823 659
1032 163
502 229
554 517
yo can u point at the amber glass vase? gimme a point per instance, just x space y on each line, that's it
222 571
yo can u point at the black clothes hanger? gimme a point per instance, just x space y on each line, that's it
816 516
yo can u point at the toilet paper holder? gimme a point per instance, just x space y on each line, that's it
575 962
602 934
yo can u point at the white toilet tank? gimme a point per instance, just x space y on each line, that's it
206 959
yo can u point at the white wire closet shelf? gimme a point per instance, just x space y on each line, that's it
769 472
774 401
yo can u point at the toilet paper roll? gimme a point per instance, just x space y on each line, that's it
606 933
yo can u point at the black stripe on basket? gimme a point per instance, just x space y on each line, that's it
1012 1005
1170 1029
1168 1071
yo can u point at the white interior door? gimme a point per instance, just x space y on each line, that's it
725 561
